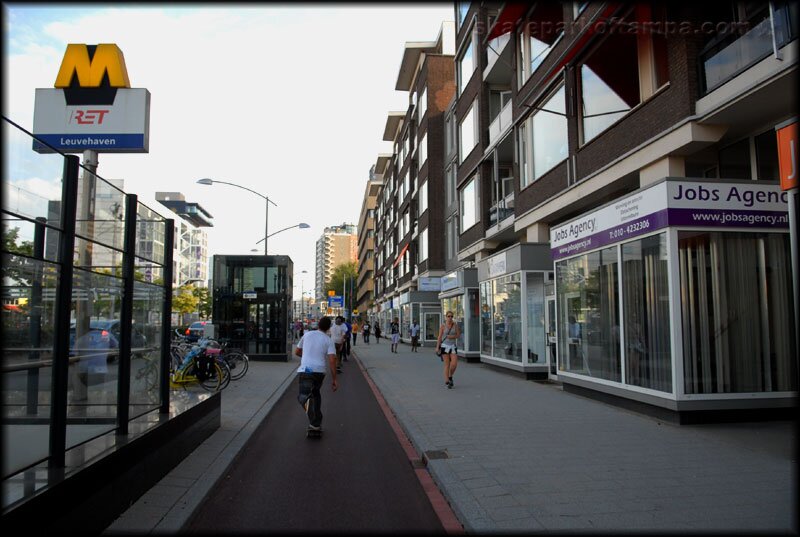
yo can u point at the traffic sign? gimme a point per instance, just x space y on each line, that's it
336 301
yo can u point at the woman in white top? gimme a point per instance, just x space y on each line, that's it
449 333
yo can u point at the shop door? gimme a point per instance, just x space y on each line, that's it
552 337
254 328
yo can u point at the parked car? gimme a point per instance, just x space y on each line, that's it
111 327
195 331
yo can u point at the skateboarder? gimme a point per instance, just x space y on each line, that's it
314 349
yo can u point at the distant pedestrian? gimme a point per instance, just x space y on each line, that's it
449 333
414 329
377 332
355 332
394 328
346 349
338 331
365 331
316 350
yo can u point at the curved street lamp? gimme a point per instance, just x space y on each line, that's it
207 181
301 225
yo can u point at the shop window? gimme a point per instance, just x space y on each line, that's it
537 341
737 336
588 318
486 299
645 291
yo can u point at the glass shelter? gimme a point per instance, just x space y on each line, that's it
253 304
679 295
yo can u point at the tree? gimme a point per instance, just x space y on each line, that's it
203 301
345 274
184 301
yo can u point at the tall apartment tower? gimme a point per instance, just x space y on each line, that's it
336 246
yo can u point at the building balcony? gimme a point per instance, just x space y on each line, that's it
726 57
500 124
498 60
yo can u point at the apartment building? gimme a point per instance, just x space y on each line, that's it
336 246
616 170
190 256
365 293
409 257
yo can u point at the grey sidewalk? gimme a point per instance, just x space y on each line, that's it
527 456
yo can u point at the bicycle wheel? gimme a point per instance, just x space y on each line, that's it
220 377
239 364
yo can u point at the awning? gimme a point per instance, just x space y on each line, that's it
399 257
507 20
598 25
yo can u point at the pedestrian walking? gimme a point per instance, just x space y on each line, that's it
346 349
414 329
377 332
338 331
394 329
316 351
365 331
449 333
355 332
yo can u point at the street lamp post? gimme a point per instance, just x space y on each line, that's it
301 225
207 181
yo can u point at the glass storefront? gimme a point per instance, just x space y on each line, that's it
685 313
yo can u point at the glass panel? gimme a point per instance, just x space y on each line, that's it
432 324
535 309
486 317
609 84
767 156
734 160
101 211
21 236
27 345
737 313
751 47
466 131
466 67
31 181
150 234
648 352
94 360
588 315
550 134
148 305
507 319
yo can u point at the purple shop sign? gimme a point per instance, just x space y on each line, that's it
729 218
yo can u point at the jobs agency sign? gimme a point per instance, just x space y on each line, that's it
748 205
93 106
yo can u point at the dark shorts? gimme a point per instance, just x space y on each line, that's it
414 339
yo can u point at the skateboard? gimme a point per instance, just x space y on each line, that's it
313 433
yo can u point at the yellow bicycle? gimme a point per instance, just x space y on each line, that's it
212 377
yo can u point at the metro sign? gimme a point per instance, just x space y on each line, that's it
92 106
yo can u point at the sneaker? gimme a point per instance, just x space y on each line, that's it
314 428
450 382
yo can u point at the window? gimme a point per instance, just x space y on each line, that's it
449 135
462 8
467 135
423 105
538 36
736 335
524 168
734 160
466 67
423 198
451 237
422 155
470 204
624 70
423 245
405 149
450 184
548 129
767 156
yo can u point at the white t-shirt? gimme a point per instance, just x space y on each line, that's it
337 332
414 330
316 347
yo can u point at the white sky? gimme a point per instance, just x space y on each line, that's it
287 100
